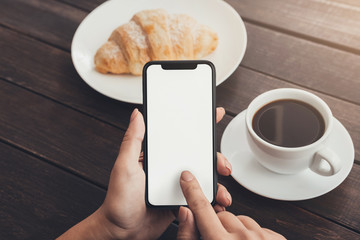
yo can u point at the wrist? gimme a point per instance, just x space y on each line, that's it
95 226
107 227
114 231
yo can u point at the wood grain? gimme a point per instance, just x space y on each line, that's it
303 63
83 145
48 111
59 81
339 204
335 23
84 4
50 72
273 53
283 217
36 200
51 21
244 85
68 141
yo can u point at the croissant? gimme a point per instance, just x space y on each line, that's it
154 35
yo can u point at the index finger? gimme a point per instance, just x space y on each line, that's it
207 221
220 112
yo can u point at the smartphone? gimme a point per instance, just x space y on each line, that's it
179 114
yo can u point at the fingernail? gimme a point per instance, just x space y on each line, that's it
182 215
228 166
228 197
133 115
186 176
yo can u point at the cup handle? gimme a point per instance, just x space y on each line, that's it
328 156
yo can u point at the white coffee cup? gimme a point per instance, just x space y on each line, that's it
290 160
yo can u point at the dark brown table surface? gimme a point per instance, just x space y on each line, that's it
59 138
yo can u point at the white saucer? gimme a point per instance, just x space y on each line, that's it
304 185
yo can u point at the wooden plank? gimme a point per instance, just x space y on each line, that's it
42 205
65 141
49 71
283 217
67 138
49 20
17 69
40 201
94 104
84 4
303 63
336 23
58 82
340 87
330 22
55 211
89 5
67 134
276 54
237 92
341 204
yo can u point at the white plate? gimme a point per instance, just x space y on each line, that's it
304 185
96 28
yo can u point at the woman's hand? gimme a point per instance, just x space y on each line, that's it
124 214
211 225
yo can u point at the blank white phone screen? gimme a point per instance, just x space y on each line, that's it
179 131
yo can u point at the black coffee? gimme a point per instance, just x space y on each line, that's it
288 123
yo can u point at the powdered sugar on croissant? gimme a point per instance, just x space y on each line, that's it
154 35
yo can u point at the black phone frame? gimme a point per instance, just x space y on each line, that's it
169 65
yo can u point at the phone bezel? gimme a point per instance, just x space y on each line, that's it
178 65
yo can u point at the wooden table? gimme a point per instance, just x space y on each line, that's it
59 138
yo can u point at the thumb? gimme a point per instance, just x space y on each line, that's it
187 229
131 145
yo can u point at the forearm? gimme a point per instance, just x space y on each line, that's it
96 226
